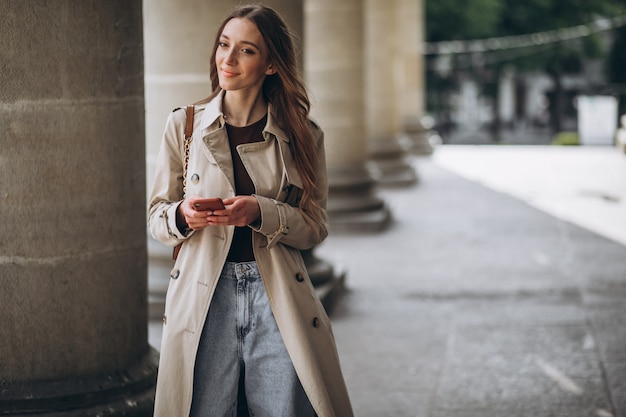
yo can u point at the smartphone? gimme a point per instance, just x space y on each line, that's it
205 204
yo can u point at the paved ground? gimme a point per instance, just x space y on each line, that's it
476 303
584 185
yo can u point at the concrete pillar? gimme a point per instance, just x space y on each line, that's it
72 185
411 26
177 74
383 66
334 73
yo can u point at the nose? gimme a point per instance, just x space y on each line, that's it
231 56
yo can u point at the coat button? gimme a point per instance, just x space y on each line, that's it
195 178
175 273
164 319
316 322
299 277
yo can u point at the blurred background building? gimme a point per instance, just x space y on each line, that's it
500 71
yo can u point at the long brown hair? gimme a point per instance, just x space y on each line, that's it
286 92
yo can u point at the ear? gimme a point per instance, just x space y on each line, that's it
270 70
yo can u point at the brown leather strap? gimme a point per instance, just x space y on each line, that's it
188 134
189 124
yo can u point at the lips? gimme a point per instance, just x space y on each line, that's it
228 74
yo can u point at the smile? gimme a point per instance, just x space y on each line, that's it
228 73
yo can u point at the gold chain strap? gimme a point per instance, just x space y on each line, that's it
187 143
186 164
188 136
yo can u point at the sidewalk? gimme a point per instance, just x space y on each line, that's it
583 185
475 303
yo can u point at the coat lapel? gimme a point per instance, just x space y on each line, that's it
215 139
216 148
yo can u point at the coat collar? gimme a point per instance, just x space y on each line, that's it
213 118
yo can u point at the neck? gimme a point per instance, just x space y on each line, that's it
243 110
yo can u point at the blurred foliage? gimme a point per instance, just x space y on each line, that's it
475 19
616 67
472 19
543 15
462 19
448 20
566 139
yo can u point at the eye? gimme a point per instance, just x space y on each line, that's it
248 51
222 44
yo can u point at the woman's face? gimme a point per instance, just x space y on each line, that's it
241 57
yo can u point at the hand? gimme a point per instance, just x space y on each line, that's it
187 216
240 211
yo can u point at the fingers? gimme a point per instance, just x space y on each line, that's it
240 211
196 220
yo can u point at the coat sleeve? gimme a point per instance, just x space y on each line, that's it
167 189
287 224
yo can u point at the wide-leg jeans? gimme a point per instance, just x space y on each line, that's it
240 337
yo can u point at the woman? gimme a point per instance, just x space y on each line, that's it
241 310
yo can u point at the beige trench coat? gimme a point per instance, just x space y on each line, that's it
303 323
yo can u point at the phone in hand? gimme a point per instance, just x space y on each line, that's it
206 204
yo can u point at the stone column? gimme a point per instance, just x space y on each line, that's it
411 34
72 186
334 72
383 65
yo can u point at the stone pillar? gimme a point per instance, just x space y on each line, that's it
177 73
334 72
389 160
72 185
411 26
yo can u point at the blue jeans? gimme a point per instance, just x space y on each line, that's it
240 338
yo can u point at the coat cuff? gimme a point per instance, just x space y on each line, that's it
172 228
273 220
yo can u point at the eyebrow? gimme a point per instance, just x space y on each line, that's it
244 42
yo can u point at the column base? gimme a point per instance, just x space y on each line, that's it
352 204
417 137
129 393
329 284
389 164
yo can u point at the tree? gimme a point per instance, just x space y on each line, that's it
461 19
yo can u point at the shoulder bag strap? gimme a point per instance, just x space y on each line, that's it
188 135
